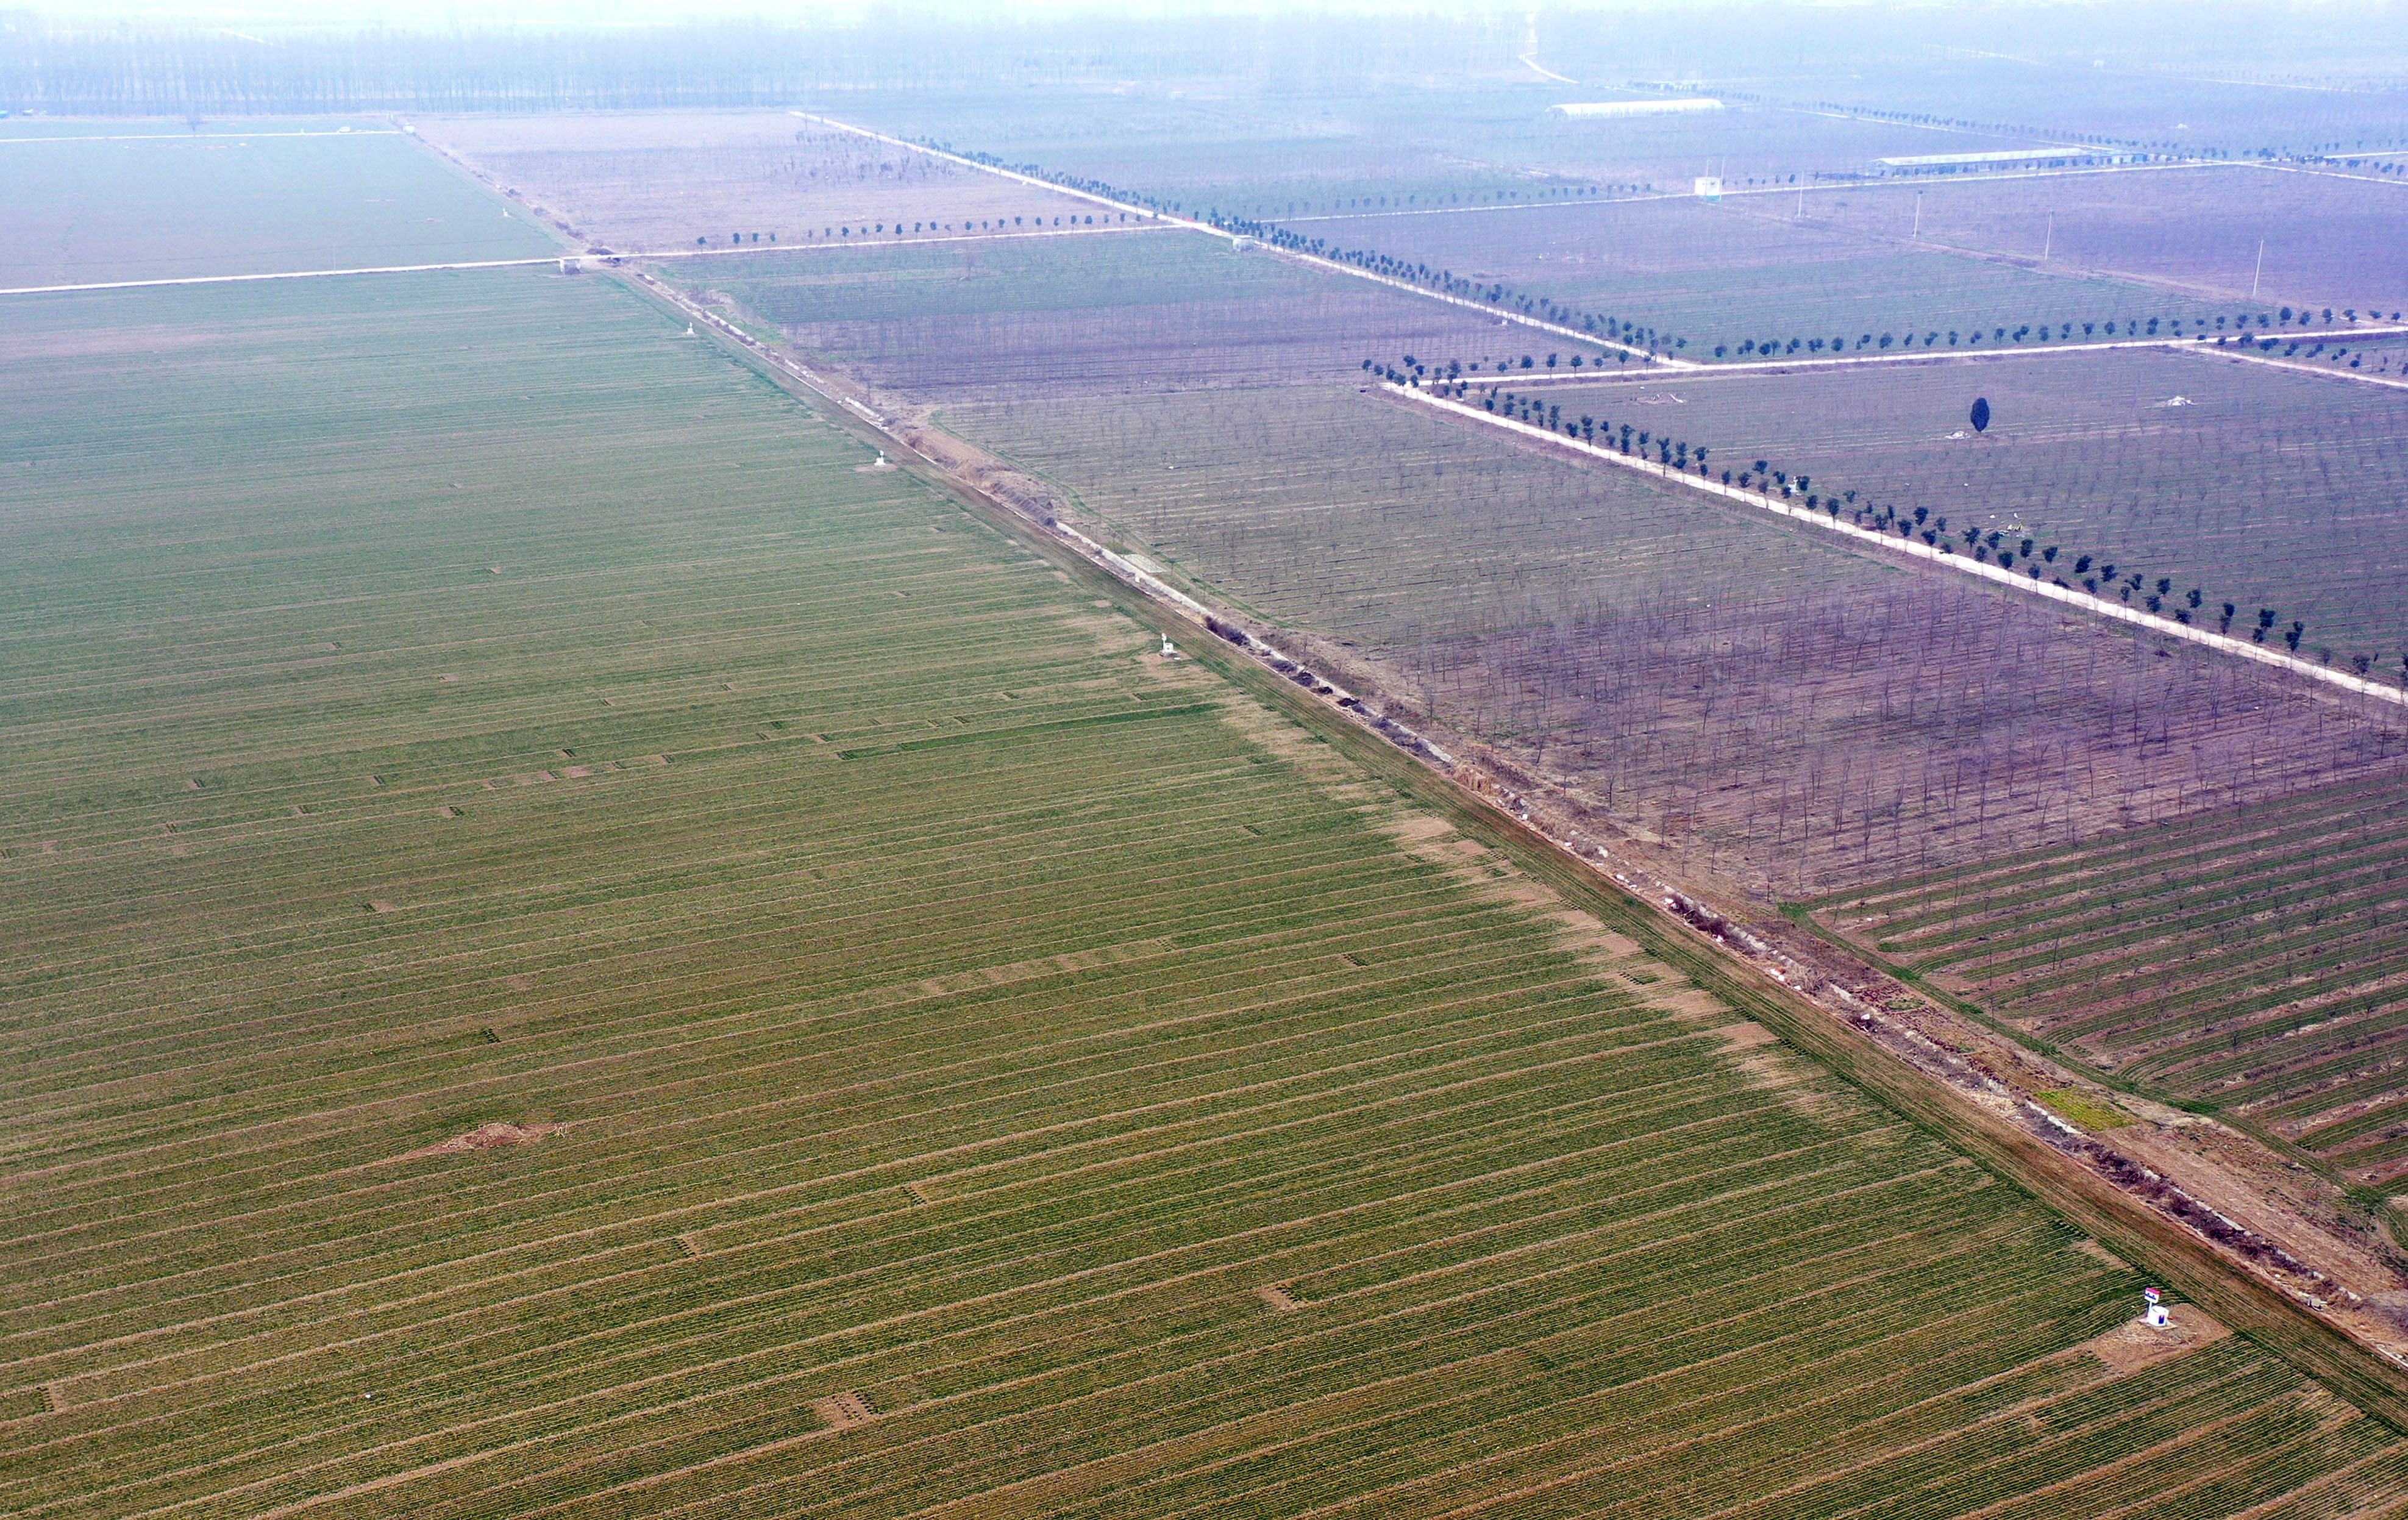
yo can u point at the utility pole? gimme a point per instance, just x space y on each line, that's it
2259 270
1918 216
2049 241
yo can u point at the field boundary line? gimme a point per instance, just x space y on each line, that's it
281 274
1237 239
2314 172
2293 367
565 256
2222 643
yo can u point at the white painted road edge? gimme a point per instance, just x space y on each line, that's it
1963 564
1311 260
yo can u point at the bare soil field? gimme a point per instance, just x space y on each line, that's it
2123 464
2328 241
953 1016
1789 714
664 179
1724 281
1161 310
1275 156
152 200
2251 960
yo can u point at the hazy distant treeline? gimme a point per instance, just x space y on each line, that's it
1998 62
223 72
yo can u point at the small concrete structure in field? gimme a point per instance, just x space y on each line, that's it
1710 187
1170 650
1672 106
2157 1317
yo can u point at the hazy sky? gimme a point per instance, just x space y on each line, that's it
442 14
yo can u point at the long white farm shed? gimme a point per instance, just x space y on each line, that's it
1640 108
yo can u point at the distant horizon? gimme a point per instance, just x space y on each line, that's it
613 15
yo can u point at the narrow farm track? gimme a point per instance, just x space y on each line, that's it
552 261
996 1070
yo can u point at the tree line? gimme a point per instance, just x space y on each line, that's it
897 230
